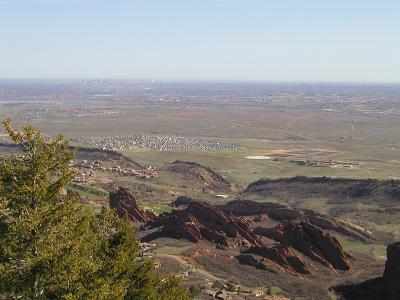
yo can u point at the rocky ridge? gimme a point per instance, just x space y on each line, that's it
122 201
198 221
311 241
202 221
284 256
281 213
336 189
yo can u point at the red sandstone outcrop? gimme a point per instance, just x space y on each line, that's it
203 221
259 263
311 241
346 228
125 205
260 218
283 213
200 220
284 256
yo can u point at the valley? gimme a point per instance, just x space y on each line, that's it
220 180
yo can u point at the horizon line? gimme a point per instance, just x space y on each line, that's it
200 80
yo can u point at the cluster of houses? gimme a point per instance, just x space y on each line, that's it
224 290
157 143
4 139
146 250
330 163
230 291
85 170
82 176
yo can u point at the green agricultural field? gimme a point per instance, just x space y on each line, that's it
377 250
89 192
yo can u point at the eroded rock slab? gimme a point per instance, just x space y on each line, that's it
281 213
284 256
125 205
201 220
311 241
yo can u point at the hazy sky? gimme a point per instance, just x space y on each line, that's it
272 40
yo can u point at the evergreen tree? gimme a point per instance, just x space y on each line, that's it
52 247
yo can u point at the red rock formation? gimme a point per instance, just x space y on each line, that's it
311 241
125 204
283 213
285 256
329 223
259 263
260 218
200 220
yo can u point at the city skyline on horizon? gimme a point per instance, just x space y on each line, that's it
215 40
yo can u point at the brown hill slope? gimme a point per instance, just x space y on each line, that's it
205 175
336 189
